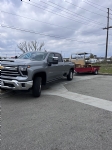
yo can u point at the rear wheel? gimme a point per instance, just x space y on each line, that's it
70 75
96 72
36 90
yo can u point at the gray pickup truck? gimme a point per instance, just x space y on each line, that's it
33 69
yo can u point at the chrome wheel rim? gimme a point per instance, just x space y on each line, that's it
71 75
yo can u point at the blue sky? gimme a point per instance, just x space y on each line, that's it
65 26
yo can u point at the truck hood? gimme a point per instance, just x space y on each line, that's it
19 62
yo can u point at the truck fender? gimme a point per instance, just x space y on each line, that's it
42 75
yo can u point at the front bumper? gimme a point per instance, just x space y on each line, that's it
16 85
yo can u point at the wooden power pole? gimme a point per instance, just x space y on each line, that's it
107 28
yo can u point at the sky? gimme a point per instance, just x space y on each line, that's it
65 26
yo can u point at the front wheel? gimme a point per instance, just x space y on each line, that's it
70 75
36 90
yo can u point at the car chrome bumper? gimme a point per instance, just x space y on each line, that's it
16 85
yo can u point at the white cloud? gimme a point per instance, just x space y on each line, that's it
75 23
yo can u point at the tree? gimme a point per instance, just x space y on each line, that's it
91 55
30 46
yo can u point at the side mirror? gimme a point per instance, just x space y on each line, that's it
16 57
53 60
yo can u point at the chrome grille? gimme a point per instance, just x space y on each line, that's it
9 71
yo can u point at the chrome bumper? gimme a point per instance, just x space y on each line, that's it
16 85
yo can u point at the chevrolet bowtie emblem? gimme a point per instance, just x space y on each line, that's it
1 67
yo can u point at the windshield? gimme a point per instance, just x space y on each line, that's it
39 56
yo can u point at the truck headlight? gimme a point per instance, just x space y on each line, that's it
23 70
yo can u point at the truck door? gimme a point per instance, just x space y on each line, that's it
52 71
60 66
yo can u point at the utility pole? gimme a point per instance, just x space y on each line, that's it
107 28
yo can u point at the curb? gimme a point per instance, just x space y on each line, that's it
107 74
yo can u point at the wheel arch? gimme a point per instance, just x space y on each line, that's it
72 69
42 75
96 71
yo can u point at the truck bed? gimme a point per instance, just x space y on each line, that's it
89 69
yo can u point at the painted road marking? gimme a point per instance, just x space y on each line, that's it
92 101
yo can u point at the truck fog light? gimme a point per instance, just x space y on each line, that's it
23 84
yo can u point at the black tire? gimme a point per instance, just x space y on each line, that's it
70 75
3 89
96 72
36 90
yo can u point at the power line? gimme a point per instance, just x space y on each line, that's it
55 13
37 20
93 6
58 14
96 4
100 6
72 13
85 9
42 34
40 21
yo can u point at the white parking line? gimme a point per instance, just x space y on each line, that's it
92 101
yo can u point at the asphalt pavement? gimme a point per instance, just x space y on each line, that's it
67 116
